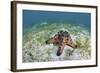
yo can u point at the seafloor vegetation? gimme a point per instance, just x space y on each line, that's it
35 49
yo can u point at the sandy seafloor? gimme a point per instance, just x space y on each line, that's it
35 50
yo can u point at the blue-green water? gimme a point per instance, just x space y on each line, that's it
35 18
38 26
